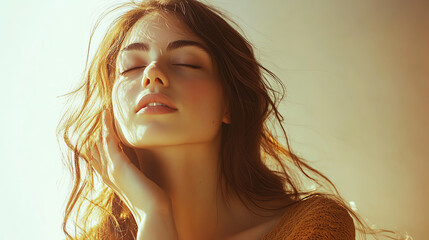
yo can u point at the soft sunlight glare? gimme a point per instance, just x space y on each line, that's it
356 100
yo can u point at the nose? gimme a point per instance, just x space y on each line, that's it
153 76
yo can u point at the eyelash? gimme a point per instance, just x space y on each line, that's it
135 68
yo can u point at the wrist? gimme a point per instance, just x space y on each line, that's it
157 225
151 210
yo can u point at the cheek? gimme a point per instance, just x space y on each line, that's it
204 96
123 96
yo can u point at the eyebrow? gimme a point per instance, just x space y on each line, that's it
171 46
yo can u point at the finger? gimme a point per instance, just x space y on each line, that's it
109 136
100 162
95 157
113 158
101 165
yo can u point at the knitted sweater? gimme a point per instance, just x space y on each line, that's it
315 218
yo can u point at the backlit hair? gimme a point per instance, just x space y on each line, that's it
254 165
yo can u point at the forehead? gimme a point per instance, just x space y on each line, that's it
159 29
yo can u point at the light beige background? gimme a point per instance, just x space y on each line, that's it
357 96
357 81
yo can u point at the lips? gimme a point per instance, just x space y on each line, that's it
154 97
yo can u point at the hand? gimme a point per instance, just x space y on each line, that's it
149 204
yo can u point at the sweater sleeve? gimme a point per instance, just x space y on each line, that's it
318 219
324 220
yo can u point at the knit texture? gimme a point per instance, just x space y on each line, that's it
315 218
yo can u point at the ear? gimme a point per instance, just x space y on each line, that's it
226 116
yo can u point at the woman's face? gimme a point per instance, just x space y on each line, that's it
160 64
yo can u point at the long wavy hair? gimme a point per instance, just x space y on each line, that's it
254 165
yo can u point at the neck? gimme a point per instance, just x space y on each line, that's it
189 175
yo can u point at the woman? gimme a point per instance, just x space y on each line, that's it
174 120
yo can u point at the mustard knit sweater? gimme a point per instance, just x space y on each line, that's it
313 219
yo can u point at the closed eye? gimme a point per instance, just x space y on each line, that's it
188 65
135 68
131 69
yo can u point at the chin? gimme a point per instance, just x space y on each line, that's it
155 140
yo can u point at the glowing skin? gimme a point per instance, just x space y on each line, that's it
196 93
179 151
